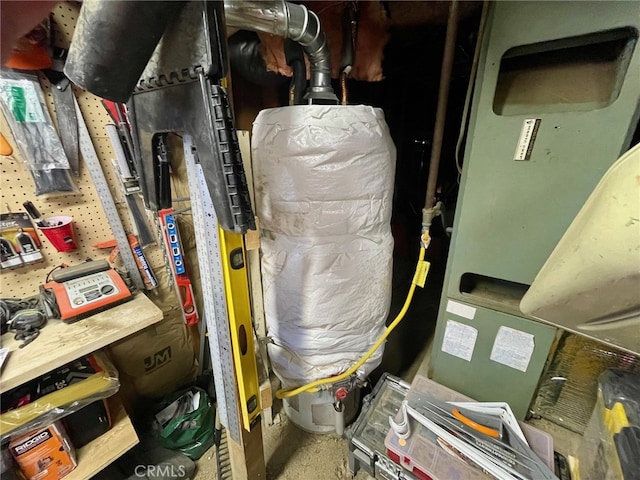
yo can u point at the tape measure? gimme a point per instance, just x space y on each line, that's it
205 224
108 204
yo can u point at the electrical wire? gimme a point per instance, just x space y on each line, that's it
313 386
27 316
26 319
26 323
13 305
5 312
49 302
62 265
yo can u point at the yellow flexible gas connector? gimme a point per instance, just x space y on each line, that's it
418 279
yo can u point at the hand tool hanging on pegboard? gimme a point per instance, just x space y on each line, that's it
162 170
37 142
92 163
122 128
120 137
63 102
61 92
23 104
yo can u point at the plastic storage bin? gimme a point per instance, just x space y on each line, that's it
428 461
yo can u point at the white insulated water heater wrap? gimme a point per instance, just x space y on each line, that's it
324 186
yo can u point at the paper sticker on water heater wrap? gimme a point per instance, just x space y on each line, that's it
240 323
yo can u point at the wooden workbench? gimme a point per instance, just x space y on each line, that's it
60 343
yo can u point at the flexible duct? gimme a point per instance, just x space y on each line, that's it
289 21
245 59
110 47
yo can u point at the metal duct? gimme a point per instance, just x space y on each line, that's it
289 21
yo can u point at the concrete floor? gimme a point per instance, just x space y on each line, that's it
292 454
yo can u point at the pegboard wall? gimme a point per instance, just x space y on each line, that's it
16 186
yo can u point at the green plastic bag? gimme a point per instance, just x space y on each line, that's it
187 422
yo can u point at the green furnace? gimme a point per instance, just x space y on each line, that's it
556 103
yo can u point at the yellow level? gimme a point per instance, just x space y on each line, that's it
236 284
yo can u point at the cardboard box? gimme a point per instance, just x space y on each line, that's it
44 454
158 360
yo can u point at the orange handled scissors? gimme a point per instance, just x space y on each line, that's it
492 432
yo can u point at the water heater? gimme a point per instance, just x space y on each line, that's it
324 186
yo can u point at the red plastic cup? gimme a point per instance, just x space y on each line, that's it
60 233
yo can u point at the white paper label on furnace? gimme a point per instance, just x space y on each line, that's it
459 340
513 348
461 309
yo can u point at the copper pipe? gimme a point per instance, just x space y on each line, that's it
443 97
343 88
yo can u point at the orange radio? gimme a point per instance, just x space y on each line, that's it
88 288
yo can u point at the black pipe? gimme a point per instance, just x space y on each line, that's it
295 59
246 59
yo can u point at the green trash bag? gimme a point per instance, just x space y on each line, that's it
185 421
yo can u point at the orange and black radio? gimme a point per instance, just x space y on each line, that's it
88 288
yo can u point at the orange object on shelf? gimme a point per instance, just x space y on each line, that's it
44 455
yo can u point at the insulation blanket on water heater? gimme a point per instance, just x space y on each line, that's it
324 186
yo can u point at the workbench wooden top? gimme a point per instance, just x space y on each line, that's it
60 343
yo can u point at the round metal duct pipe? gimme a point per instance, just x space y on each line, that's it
292 21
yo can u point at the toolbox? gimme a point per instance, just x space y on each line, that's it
366 435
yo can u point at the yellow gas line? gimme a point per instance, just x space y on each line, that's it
422 268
